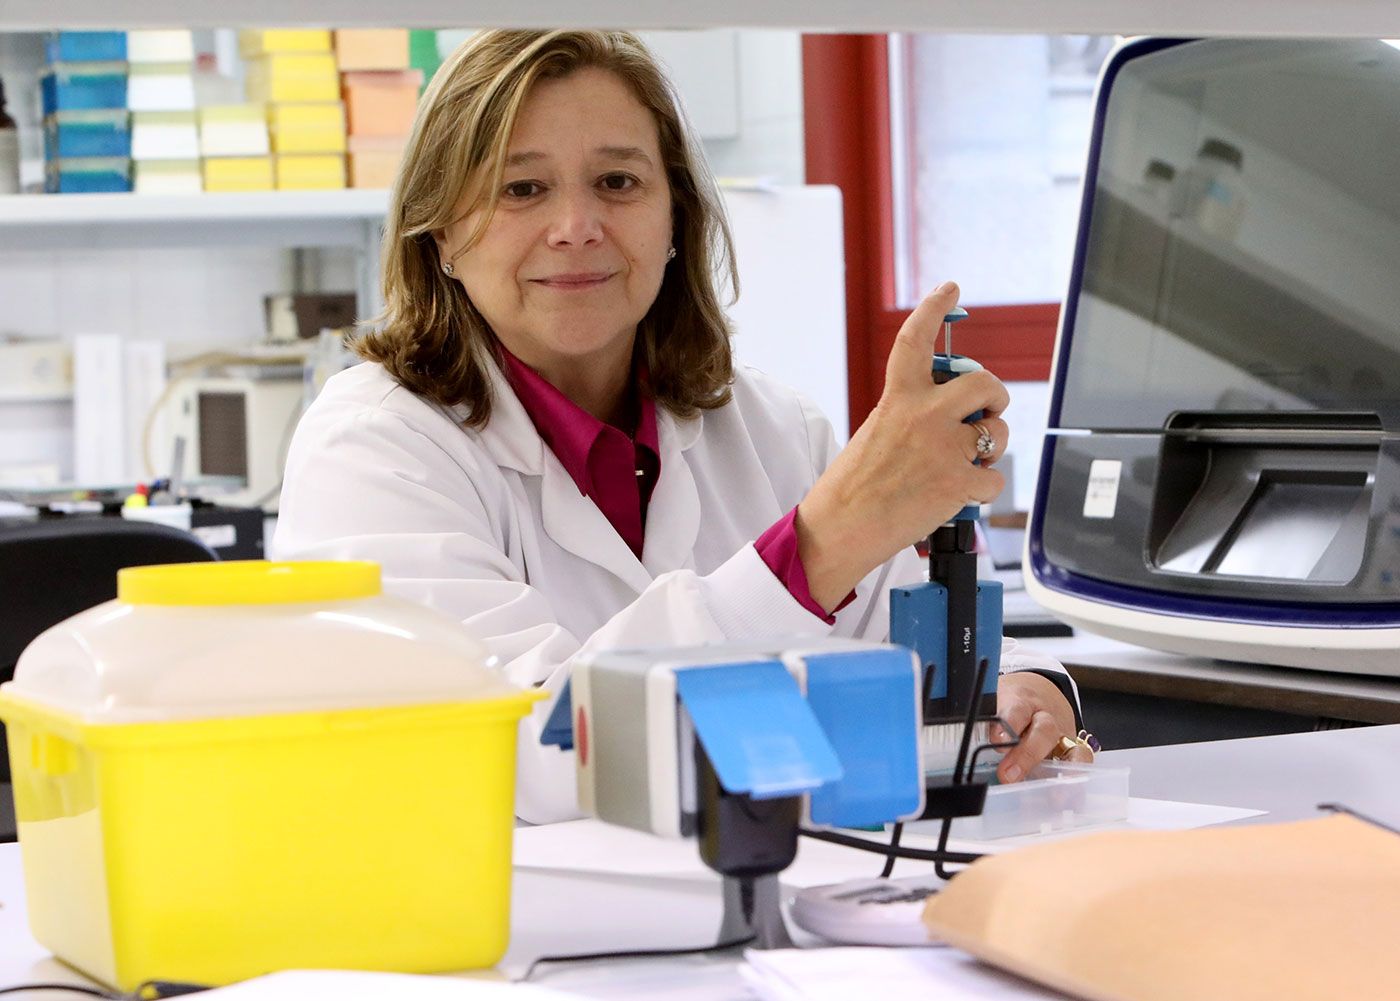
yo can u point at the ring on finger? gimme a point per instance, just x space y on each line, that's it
1066 746
986 444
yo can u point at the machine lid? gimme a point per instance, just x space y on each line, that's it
1238 234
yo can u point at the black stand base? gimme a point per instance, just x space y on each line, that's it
753 905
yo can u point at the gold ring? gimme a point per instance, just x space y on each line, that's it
1066 746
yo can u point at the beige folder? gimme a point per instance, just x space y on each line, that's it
1269 912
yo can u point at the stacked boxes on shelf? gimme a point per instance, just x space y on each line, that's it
233 148
164 130
381 97
87 129
293 73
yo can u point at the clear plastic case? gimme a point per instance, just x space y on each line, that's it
1057 796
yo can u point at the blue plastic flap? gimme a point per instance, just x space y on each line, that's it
989 615
867 702
559 728
758 730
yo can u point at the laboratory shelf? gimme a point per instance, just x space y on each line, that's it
21 211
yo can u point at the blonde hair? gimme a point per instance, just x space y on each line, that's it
431 337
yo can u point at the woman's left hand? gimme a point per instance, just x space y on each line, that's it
1037 712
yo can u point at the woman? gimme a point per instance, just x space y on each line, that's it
550 440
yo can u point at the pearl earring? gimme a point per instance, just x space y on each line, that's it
671 254
448 269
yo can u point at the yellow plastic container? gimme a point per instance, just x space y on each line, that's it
243 767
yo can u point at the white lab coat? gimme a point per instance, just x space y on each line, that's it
487 525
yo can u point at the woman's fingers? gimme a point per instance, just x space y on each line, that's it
910 362
1037 741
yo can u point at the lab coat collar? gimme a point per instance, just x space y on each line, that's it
510 436
573 520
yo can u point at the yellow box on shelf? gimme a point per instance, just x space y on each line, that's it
310 172
293 76
233 130
253 42
238 173
371 48
307 128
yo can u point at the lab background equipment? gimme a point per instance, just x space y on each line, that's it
1221 473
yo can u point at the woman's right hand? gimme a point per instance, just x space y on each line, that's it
908 469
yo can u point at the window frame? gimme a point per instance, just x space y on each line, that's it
846 108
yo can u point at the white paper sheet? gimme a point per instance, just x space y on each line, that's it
840 974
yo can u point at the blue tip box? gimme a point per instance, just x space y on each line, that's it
85 46
87 175
83 87
87 133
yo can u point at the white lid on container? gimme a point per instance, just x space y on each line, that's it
206 640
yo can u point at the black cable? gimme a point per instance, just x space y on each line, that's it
75 988
894 843
861 844
151 990
636 954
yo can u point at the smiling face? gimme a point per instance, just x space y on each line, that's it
575 252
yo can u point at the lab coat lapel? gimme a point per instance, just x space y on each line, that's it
567 516
673 516
574 521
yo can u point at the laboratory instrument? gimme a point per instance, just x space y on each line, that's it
1221 471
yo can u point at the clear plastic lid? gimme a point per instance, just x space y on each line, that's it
237 639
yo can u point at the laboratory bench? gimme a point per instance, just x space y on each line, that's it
672 900
1135 697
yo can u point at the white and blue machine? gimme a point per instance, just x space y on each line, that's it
1221 475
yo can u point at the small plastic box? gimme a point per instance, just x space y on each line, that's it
85 46
87 133
1057 796
307 128
293 77
164 135
87 175
310 171
254 42
238 173
83 86
381 103
371 49
233 130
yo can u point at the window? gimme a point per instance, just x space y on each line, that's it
989 135
958 156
